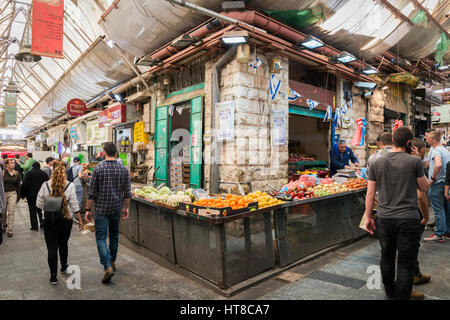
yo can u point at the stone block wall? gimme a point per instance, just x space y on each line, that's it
250 157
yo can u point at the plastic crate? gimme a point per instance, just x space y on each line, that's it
218 212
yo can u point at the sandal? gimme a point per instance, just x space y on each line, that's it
9 234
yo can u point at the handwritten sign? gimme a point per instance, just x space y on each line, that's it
139 133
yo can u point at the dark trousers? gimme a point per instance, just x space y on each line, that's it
35 213
398 237
417 272
57 235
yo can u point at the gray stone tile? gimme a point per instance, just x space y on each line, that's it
337 279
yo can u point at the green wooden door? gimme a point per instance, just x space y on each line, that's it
162 145
196 142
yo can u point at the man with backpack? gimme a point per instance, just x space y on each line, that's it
74 173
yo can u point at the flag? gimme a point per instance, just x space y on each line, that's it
171 108
256 64
293 95
274 86
344 109
328 114
180 110
312 104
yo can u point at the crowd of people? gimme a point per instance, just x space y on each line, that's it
397 180
54 195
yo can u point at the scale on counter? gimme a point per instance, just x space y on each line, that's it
343 175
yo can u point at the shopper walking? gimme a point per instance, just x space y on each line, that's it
48 168
30 188
438 158
58 222
12 193
397 176
109 187
27 166
385 144
17 166
76 172
2 206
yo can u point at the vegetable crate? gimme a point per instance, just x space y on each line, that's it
218 212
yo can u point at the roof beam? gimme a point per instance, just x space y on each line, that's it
30 85
46 71
72 42
78 29
31 71
396 12
417 4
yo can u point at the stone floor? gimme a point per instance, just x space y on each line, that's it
337 275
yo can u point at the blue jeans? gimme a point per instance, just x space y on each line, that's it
103 224
79 191
441 208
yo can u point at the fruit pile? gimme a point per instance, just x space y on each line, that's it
355 184
329 188
263 199
299 193
294 157
233 201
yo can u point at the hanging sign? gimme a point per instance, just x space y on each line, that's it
112 116
225 121
279 128
47 28
10 108
139 133
76 107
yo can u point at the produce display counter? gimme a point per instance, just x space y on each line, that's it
228 250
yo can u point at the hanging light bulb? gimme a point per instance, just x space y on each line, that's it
24 53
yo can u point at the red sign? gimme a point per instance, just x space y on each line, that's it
76 107
47 28
113 115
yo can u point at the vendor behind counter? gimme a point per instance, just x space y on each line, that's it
340 157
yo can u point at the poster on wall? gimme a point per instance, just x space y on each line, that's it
10 108
225 120
440 114
279 128
47 28
94 134
139 133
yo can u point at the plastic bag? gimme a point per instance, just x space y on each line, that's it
308 181
200 194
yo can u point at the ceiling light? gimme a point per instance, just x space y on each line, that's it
183 41
369 70
235 37
11 87
146 62
345 57
311 42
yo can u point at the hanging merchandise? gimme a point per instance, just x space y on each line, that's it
420 17
274 86
180 110
397 124
345 122
328 114
358 137
349 104
338 116
312 104
171 109
442 48
344 109
256 64
293 95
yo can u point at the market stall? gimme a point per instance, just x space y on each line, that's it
227 240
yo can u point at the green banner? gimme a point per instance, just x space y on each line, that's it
10 108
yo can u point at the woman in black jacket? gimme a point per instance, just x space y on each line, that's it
31 185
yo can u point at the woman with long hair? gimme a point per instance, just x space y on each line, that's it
11 180
57 232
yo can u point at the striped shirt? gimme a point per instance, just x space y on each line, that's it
109 185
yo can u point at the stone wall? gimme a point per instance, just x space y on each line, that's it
250 157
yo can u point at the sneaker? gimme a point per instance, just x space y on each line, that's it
434 238
424 278
416 295
53 280
113 266
108 275
447 236
64 268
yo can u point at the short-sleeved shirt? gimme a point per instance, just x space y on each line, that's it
47 170
378 154
445 157
395 175
76 169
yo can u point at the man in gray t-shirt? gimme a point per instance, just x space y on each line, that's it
396 177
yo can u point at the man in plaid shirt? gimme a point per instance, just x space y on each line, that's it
109 186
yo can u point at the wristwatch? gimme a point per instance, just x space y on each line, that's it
433 179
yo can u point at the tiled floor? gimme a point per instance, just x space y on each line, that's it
337 275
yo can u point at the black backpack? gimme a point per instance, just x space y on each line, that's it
53 206
69 174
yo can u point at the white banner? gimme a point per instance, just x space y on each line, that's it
225 120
